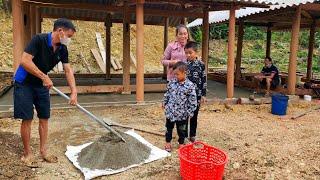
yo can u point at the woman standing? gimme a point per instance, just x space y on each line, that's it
175 50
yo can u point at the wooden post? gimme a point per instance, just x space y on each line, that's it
18 32
32 20
139 51
27 23
293 52
239 50
268 47
205 39
126 50
165 43
310 50
108 25
230 63
38 20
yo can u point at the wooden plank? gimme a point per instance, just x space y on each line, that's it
101 47
133 59
99 60
306 112
116 61
110 89
100 75
85 62
103 51
91 89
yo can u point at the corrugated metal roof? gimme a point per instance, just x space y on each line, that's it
98 15
221 16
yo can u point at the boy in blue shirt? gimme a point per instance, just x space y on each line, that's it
179 103
196 73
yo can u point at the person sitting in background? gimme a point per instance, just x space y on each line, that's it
269 76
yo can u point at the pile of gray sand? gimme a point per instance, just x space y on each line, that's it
109 152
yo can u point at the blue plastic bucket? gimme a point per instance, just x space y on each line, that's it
279 104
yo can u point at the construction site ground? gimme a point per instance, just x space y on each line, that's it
259 145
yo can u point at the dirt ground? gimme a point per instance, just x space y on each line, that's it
259 144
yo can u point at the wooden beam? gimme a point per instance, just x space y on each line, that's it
293 51
165 43
126 51
118 9
98 19
268 46
310 7
38 20
108 25
239 50
310 50
81 6
18 32
230 63
205 39
139 50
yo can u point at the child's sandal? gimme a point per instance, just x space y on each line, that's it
168 147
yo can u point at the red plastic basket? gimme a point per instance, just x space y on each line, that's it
201 161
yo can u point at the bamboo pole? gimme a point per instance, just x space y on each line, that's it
139 51
230 63
293 52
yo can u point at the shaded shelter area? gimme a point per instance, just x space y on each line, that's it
286 16
216 90
28 14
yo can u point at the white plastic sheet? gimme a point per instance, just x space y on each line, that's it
73 151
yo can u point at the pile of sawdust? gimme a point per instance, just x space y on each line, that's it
109 152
